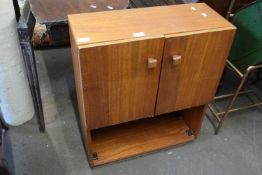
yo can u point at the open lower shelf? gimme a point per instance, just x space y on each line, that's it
141 136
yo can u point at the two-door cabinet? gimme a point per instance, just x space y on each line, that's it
145 76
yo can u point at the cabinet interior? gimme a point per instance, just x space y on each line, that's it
141 136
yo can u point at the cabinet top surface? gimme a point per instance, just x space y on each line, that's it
110 26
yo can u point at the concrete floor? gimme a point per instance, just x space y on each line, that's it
235 151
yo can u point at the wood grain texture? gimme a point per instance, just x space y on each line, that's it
121 24
138 137
117 83
194 81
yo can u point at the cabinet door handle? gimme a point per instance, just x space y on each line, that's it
151 63
176 59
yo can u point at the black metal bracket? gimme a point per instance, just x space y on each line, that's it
190 132
95 156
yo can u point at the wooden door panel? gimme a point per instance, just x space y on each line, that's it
194 81
118 85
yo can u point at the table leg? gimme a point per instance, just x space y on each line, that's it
25 31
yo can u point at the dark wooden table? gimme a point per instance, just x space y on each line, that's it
55 32
223 6
53 13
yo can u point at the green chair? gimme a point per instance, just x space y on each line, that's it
245 55
247 47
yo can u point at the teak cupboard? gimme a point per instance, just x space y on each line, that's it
144 76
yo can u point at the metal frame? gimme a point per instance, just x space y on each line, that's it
17 10
25 30
230 8
221 116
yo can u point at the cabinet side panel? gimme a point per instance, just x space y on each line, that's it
118 84
81 105
194 81
193 117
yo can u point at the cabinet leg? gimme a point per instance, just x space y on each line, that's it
193 117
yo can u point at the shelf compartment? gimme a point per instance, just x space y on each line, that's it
137 137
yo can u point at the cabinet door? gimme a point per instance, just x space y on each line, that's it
191 69
120 81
